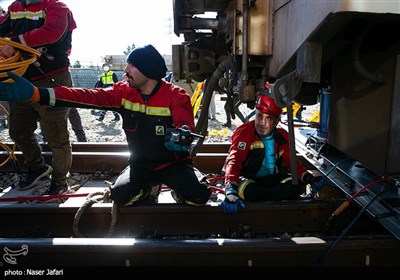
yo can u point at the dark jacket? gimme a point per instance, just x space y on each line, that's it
144 121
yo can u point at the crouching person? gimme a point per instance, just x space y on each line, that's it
258 163
140 185
155 113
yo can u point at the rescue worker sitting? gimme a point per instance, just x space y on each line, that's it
258 163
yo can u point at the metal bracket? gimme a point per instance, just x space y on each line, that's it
285 90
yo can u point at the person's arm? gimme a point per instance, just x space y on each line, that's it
181 110
23 90
115 78
238 152
99 83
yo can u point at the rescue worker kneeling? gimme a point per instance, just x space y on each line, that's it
258 162
150 108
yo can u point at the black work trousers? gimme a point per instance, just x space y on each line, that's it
135 182
272 187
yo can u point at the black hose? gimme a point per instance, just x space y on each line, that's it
202 123
334 244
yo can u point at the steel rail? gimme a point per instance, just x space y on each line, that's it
170 219
113 157
293 255
123 147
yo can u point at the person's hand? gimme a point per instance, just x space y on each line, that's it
174 147
20 90
231 202
178 139
7 50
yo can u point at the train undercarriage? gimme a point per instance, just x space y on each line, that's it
342 55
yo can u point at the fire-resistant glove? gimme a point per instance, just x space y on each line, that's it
232 200
316 183
178 139
20 90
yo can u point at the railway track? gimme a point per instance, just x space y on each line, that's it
274 234
113 157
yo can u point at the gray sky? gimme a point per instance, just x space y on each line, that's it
110 26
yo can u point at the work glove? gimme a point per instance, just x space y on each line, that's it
316 183
178 139
232 200
20 90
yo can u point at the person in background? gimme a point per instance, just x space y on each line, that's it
212 106
157 120
232 107
212 110
107 79
94 111
258 163
76 124
46 25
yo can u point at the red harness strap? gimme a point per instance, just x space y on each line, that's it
42 197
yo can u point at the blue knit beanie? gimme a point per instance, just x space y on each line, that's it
149 61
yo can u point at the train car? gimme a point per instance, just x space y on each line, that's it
342 55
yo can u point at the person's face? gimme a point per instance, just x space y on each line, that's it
134 77
264 123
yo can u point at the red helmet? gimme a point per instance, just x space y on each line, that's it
267 105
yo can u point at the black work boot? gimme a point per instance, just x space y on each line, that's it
228 124
56 188
81 138
152 198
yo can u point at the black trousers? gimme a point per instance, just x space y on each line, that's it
136 182
273 187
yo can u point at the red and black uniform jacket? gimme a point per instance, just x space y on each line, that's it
247 152
144 121
46 26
